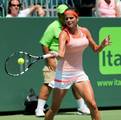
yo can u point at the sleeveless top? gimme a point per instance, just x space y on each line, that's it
72 60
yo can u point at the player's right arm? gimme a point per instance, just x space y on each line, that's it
62 43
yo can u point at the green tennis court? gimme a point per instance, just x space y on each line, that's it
106 115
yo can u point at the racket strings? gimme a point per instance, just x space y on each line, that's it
13 67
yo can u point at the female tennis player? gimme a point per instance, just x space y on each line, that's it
73 40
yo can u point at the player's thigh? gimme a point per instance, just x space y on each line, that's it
58 95
85 90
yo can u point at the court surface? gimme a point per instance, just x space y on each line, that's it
106 115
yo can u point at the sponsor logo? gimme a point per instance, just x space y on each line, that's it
110 56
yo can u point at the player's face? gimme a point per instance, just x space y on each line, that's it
15 5
70 20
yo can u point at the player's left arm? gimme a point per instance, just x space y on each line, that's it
94 46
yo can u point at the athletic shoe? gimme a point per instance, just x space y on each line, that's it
39 113
84 110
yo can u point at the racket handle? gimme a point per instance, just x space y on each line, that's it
51 54
47 56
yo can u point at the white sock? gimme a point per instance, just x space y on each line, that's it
41 104
80 102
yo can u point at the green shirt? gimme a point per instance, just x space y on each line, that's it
51 36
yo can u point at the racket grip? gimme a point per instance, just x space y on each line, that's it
47 56
51 54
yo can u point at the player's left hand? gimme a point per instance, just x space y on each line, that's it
106 41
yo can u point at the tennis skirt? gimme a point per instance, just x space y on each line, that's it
64 80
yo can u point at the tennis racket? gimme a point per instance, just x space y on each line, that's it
13 68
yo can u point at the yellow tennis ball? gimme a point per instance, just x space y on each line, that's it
20 61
